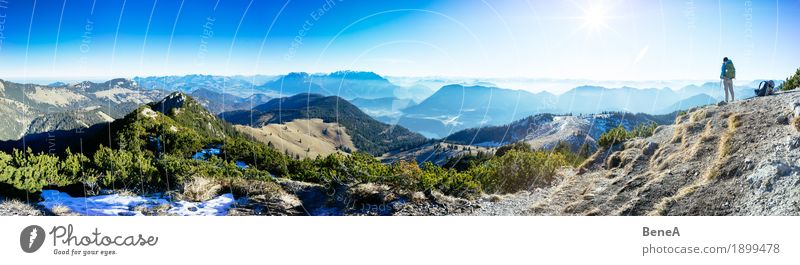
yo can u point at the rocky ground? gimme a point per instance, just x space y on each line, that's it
741 158
506 205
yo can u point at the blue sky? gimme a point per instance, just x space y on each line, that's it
598 40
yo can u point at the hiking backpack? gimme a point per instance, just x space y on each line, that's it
730 70
765 88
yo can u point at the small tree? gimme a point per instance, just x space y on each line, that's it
792 82
614 136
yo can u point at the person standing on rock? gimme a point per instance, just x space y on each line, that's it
727 75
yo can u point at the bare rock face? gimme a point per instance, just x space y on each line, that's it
741 158
170 102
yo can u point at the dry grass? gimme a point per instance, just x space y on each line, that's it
680 118
796 123
241 187
62 210
725 145
708 133
17 207
368 189
705 137
698 115
158 210
125 192
712 172
200 189
593 158
663 206
303 137
614 160
418 197
734 121
679 134
672 157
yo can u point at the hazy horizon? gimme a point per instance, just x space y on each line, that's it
533 85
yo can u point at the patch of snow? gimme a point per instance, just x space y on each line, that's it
98 205
83 124
451 121
55 96
115 204
217 206
206 153
82 85
105 116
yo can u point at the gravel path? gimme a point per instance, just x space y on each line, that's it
515 204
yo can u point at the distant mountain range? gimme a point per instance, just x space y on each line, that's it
690 102
456 107
449 109
217 102
344 84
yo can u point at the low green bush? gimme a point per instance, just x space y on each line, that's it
30 172
619 134
519 170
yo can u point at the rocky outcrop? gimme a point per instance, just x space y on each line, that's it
740 158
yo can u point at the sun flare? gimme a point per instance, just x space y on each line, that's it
595 18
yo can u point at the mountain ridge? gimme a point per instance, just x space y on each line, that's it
368 134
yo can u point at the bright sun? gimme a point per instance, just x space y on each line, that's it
595 18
